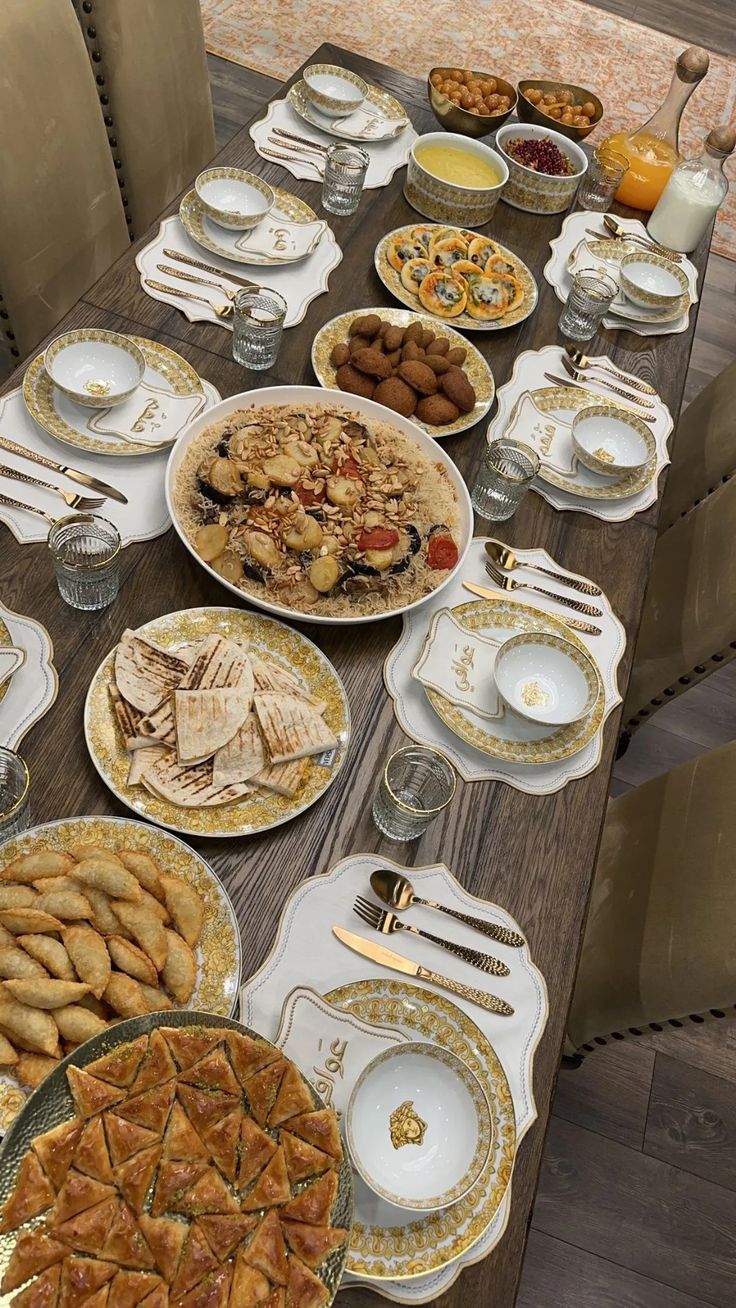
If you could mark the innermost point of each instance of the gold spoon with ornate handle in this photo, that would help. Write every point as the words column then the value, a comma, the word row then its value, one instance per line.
column 398, row 893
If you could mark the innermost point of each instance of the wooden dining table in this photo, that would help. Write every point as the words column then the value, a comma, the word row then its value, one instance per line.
column 534, row 855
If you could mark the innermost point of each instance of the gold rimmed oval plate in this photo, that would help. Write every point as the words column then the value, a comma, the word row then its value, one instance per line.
column 394, row 1245
column 508, row 737
column 464, row 321
column 52, row 1104
column 257, row 811
column 478, row 371
column 563, row 402
column 228, row 244
column 167, row 373
column 388, row 115
column 218, row 952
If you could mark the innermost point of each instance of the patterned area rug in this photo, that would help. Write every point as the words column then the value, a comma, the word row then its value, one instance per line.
column 627, row 65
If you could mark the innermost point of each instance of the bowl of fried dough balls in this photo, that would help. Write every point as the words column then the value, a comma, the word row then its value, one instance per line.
column 469, row 102
column 569, row 109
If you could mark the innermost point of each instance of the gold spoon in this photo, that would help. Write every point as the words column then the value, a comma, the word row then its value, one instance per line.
column 617, row 230
column 582, row 361
column 398, row 893
column 502, row 555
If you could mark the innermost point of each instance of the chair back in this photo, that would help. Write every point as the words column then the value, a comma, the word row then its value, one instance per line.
column 704, row 449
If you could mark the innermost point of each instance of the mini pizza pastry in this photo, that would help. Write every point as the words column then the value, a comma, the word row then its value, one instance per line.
column 492, row 297
column 441, row 234
column 449, row 251
column 413, row 273
column 403, row 248
column 423, row 235
column 480, row 250
column 443, row 295
column 499, row 263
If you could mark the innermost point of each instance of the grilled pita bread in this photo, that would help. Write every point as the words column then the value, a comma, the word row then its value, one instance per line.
column 220, row 664
column 271, row 676
column 142, row 759
column 145, row 674
column 158, row 727
column 241, row 757
column 127, row 716
column 283, row 778
column 190, row 787
column 292, row 728
column 206, row 720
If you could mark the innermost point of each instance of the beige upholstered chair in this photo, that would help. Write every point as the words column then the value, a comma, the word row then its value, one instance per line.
column 704, row 449
column 150, row 64
column 61, row 218
column 688, row 626
column 659, row 940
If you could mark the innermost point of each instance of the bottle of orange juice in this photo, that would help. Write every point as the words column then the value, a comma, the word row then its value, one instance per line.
column 652, row 149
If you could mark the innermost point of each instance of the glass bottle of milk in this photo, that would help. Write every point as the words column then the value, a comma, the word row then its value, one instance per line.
column 693, row 194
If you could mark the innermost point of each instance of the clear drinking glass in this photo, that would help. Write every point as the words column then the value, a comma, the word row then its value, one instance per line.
column 345, row 170
column 590, row 298
column 602, row 179
column 258, row 325
column 417, row 783
column 15, row 785
column 86, row 553
column 509, row 467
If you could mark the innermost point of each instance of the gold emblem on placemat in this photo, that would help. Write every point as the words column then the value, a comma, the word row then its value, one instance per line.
column 406, row 1126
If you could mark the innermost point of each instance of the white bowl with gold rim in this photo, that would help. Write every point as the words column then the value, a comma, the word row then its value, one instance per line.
column 418, row 1126
column 546, row 679
column 611, row 440
column 234, row 198
column 450, row 201
column 650, row 281
column 334, row 91
column 96, row 368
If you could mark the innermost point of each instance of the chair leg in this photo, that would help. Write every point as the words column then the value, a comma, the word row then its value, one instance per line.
column 624, row 741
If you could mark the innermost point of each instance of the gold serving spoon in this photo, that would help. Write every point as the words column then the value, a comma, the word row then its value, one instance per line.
column 398, row 893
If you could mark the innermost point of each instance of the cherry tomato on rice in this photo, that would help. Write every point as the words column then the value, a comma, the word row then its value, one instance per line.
column 347, row 468
column 377, row 538
column 310, row 498
column 442, row 553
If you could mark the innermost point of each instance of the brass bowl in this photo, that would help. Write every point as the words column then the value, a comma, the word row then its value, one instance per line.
column 529, row 113
column 454, row 119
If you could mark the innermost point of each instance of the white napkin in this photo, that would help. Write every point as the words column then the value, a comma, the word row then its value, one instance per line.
column 279, row 237
column 361, row 122
column 149, row 416
column 459, row 664
column 385, row 156
column 548, row 435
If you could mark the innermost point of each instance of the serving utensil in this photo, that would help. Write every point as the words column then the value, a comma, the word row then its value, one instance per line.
column 506, row 559
column 577, row 373
column 198, row 281
column 290, row 158
column 83, row 478
column 398, row 893
column 397, row 963
column 387, row 923
column 582, row 362
column 222, row 310
column 503, row 580
column 621, row 234
column 575, row 624
column 210, row 268
column 576, row 386
column 84, row 503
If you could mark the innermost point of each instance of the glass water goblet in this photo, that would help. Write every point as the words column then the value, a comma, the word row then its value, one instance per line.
column 508, row 470
column 344, row 177
column 416, row 785
column 86, row 552
column 258, row 325
column 602, row 179
column 591, row 296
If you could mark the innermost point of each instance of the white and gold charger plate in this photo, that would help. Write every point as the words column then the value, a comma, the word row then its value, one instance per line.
column 606, row 256
column 255, row 812
column 401, row 1258
column 478, row 371
column 528, row 374
column 420, row 720
column 171, row 395
column 218, row 953
column 231, row 244
column 574, row 230
column 386, row 155
column 299, row 283
column 30, row 681
column 463, row 321
column 381, row 117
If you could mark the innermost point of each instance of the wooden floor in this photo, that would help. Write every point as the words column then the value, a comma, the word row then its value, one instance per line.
column 637, row 1198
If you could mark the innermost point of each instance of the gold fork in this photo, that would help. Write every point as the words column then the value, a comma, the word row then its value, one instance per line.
column 578, row 374
column 577, row 386
column 387, row 923
column 222, row 310
column 505, row 558
column 227, row 291
column 506, row 582
column 85, row 503
column 582, row 362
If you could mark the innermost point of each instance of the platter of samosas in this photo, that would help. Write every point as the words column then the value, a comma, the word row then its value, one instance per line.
column 217, row 722
column 101, row 919
column 174, row 1160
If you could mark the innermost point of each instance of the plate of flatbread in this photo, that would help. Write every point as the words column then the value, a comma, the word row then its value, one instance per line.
column 176, row 1159
column 217, row 722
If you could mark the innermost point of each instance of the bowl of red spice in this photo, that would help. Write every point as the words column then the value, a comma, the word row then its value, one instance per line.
column 544, row 167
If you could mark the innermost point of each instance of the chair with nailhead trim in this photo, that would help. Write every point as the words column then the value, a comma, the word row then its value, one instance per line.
column 688, row 627
column 150, row 66
column 61, row 218
column 704, row 449
column 658, row 947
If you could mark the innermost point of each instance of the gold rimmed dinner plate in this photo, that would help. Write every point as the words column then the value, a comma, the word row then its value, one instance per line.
column 218, row 952
column 464, row 321
column 613, row 251
column 386, row 107
column 478, row 371
column 509, row 737
column 52, row 1103
column 256, row 812
column 223, row 241
column 565, row 402
column 424, row 1242
column 74, row 424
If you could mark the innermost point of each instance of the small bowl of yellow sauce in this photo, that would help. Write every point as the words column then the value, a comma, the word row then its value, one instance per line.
column 453, row 179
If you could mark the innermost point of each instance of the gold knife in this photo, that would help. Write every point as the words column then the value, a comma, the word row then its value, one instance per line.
column 586, row 627
column 209, row 268
column 397, row 963
column 83, row 478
